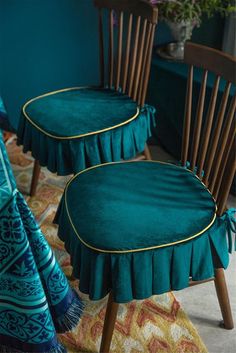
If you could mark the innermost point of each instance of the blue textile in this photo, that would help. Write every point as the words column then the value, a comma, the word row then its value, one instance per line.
column 35, row 298
column 4, row 122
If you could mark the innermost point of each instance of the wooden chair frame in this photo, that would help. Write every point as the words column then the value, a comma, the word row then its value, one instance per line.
column 129, row 53
column 211, row 150
column 128, row 58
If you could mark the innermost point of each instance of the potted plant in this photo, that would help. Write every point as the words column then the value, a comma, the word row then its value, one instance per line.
column 183, row 15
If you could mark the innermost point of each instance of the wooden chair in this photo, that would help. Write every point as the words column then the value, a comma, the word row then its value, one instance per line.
column 213, row 142
column 211, row 150
column 136, row 264
column 125, row 58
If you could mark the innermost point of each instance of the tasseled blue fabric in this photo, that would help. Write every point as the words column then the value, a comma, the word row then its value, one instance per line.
column 36, row 299
column 58, row 349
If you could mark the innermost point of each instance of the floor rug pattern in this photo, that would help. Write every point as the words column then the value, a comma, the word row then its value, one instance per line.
column 155, row 325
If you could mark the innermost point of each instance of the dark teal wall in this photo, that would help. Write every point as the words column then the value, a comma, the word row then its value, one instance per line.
column 51, row 44
column 45, row 45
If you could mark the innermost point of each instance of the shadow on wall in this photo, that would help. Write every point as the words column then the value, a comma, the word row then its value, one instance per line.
column 45, row 45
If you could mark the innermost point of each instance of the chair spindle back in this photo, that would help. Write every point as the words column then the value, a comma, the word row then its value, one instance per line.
column 209, row 135
column 127, row 55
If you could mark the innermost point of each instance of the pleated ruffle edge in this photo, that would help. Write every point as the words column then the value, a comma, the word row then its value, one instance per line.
column 73, row 155
column 139, row 275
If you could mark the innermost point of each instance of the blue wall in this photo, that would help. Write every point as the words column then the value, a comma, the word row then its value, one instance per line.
column 51, row 44
column 45, row 45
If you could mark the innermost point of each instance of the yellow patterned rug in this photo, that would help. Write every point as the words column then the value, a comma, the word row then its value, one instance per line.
column 155, row 325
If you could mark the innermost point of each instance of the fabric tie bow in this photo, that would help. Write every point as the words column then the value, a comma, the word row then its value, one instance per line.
column 229, row 218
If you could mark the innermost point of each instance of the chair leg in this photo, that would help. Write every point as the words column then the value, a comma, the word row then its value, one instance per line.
column 109, row 324
column 223, row 298
column 35, row 178
column 147, row 153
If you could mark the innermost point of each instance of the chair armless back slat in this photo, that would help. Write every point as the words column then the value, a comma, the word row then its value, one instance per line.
column 208, row 126
column 231, row 145
column 224, row 139
column 216, row 134
column 101, row 48
column 226, row 181
column 212, row 129
column 130, row 42
column 127, row 53
column 140, row 59
column 144, row 63
column 134, row 56
column 198, row 121
column 119, row 51
column 111, row 50
column 187, row 117
column 147, row 67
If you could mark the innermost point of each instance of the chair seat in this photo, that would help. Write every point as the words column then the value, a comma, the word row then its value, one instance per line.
column 75, row 112
column 140, row 228
column 73, row 129
column 135, row 206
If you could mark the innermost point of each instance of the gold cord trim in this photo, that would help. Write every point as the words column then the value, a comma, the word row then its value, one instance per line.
column 133, row 250
column 75, row 136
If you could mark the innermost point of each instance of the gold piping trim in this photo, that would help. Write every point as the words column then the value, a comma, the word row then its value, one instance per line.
column 75, row 136
column 203, row 185
column 133, row 250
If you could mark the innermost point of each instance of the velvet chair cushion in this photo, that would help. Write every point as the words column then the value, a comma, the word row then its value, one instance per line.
column 136, row 206
column 141, row 228
column 73, row 129
column 79, row 111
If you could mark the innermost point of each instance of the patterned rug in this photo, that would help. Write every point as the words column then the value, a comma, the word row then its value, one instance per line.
column 155, row 325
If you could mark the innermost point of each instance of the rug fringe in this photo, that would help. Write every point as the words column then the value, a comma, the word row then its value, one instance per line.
column 58, row 349
column 70, row 319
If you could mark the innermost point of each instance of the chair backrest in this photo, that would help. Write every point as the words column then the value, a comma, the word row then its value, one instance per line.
column 127, row 55
column 212, row 130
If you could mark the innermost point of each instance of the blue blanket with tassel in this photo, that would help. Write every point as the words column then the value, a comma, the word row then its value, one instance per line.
column 36, row 301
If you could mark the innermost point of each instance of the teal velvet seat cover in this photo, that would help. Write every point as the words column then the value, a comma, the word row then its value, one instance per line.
column 72, row 129
column 140, row 228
